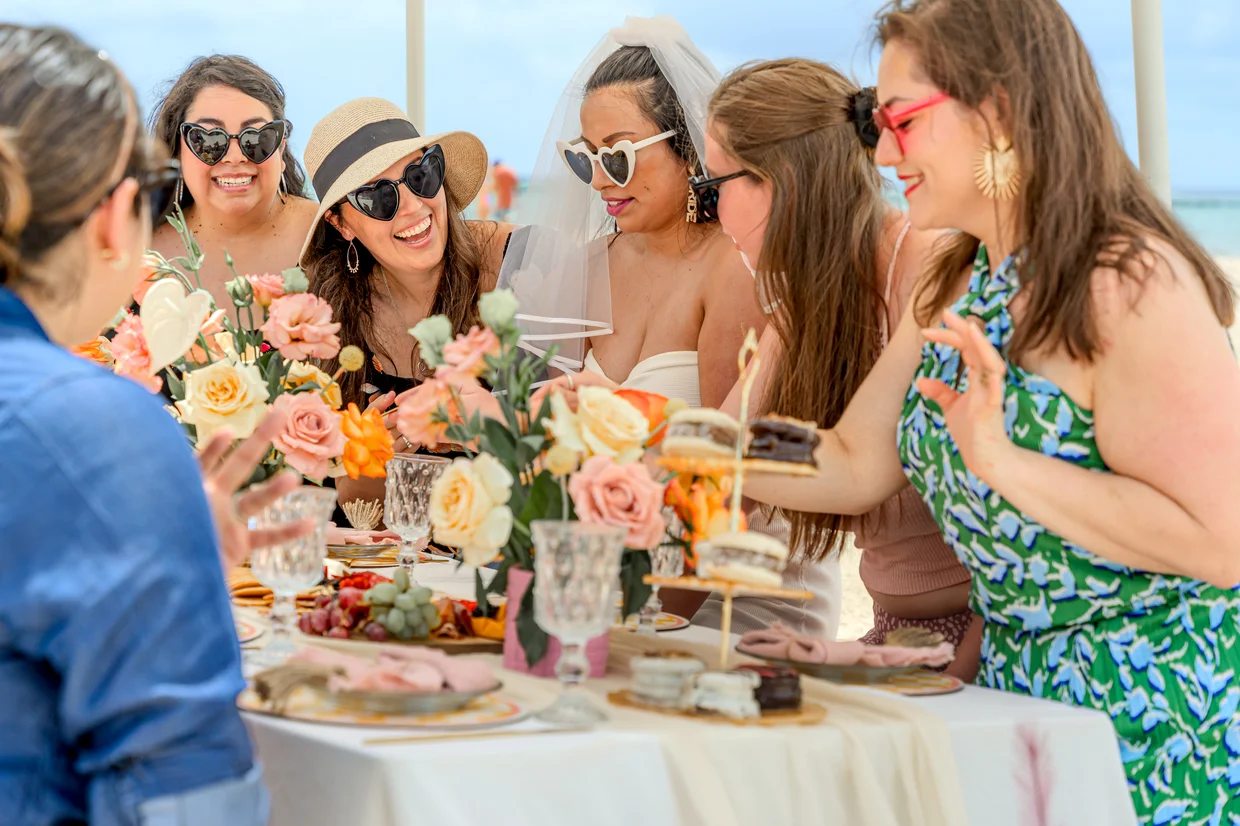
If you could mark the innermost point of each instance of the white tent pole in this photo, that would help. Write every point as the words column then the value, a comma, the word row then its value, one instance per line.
column 1151, row 77
column 415, row 62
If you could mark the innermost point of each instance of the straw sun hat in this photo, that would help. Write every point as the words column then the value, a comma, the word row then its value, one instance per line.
column 360, row 139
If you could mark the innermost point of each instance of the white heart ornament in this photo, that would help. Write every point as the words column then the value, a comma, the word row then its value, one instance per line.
column 171, row 320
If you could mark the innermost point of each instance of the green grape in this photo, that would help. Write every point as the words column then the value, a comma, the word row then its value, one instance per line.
column 405, row 633
column 421, row 595
column 405, row 601
column 382, row 594
column 378, row 615
column 401, row 579
column 394, row 621
column 431, row 615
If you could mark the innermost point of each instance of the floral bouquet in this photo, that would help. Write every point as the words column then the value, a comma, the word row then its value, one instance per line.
column 530, row 457
column 222, row 372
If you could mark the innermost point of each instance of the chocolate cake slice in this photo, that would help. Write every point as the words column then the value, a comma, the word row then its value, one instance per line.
column 780, row 689
column 781, row 439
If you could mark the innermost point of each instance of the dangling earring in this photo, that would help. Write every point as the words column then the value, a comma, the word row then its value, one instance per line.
column 351, row 259
column 180, row 189
column 691, row 210
column 282, row 190
column 997, row 170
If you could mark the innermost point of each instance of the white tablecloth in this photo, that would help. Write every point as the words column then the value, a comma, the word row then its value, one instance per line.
column 1014, row 755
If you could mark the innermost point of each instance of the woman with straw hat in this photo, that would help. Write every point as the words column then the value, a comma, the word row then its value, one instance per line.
column 388, row 246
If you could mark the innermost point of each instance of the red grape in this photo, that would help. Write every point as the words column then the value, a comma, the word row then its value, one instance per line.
column 376, row 632
column 318, row 620
column 338, row 633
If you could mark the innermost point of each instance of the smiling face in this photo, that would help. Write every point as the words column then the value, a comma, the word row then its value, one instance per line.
column 936, row 151
column 658, row 188
column 744, row 202
column 413, row 241
column 235, row 185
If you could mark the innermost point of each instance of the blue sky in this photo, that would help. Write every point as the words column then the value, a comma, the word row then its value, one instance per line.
column 497, row 67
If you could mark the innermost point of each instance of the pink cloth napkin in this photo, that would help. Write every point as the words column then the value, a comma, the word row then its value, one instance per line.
column 400, row 669
column 349, row 536
column 780, row 643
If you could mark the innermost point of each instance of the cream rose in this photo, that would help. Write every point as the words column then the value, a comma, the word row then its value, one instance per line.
column 224, row 394
column 469, row 508
column 609, row 425
column 300, row 373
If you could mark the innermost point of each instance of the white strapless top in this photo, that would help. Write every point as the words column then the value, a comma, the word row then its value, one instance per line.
column 673, row 374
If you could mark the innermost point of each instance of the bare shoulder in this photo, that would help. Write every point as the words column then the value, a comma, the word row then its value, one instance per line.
column 726, row 270
column 302, row 212
column 492, row 238
column 166, row 242
column 913, row 262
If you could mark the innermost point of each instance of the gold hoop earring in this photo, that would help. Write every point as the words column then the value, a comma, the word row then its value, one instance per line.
column 691, row 207
column 997, row 170
column 352, row 259
column 116, row 262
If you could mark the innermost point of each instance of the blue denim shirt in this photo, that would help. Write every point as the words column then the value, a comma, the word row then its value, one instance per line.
column 119, row 663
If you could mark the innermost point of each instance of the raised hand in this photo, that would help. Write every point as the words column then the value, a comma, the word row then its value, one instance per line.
column 974, row 417
column 225, row 471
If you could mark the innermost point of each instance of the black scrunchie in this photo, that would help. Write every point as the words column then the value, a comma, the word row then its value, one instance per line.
column 864, row 102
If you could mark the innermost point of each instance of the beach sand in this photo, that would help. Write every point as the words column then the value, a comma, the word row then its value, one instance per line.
column 856, row 615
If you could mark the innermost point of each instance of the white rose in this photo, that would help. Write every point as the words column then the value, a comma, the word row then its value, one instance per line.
column 300, row 373
column 498, row 308
column 563, row 425
column 432, row 334
column 468, row 508
column 609, row 425
column 224, row 394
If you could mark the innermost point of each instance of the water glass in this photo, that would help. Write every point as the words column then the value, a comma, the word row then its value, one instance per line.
column 575, row 570
column 406, row 507
column 292, row 566
column 666, row 561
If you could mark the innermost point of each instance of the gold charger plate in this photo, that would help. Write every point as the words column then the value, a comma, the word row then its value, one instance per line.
column 809, row 714
column 465, row 645
column 309, row 706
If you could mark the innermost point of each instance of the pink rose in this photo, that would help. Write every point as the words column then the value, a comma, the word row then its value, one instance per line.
column 311, row 435
column 267, row 287
column 467, row 353
column 133, row 360
column 622, row 496
column 210, row 328
column 300, row 326
column 416, row 408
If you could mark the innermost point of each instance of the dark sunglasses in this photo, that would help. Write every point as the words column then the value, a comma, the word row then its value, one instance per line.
column 257, row 144
column 707, row 192
column 381, row 200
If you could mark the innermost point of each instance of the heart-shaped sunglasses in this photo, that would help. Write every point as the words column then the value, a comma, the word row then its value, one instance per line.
column 617, row 162
column 424, row 178
column 257, row 144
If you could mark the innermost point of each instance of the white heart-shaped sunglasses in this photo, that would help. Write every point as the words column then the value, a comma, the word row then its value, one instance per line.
column 616, row 161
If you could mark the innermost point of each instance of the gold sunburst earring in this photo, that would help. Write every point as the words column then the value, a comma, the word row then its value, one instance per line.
column 997, row 170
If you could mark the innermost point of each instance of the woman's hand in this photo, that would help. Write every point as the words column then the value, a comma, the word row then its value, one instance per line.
column 567, row 385
column 975, row 417
column 382, row 402
column 224, row 472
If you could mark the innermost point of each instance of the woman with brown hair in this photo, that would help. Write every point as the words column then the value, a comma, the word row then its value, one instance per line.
column 1075, row 438
column 835, row 265
column 388, row 246
column 242, row 190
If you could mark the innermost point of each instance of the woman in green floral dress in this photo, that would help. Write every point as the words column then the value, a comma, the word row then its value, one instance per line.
column 1072, row 420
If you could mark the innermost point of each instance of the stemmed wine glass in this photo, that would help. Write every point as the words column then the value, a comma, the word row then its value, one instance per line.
column 666, row 561
column 575, row 569
column 292, row 566
column 406, row 507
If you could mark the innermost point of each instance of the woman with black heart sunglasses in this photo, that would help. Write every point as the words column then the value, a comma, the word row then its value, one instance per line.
column 242, row 190
column 388, row 246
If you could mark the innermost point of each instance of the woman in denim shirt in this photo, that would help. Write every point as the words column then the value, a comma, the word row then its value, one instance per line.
column 119, row 665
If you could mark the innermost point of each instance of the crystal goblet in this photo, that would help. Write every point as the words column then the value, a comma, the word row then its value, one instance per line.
column 406, row 506
column 575, row 570
column 289, row 567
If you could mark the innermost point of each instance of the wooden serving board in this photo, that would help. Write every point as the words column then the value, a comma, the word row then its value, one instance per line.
column 809, row 714
column 466, row 645
column 735, row 589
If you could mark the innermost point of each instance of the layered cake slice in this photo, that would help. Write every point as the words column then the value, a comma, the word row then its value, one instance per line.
column 701, row 433
column 746, row 558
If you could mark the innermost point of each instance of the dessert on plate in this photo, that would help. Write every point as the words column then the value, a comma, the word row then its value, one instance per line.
column 780, row 443
column 745, row 558
column 701, row 433
column 665, row 678
column 779, row 689
column 730, row 693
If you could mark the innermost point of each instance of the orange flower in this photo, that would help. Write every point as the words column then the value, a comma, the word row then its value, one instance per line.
column 369, row 445
column 702, row 505
column 650, row 405
column 99, row 351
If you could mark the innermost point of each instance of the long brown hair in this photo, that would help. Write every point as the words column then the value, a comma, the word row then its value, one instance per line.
column 351, row 295
column 1082, row 203
column 235, row 72
column 789, row 122
column 66, row 114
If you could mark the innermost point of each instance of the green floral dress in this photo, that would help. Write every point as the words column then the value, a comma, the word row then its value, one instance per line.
column 1157, row 653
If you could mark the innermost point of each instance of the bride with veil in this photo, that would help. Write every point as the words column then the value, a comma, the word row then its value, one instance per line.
column 621, row 272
